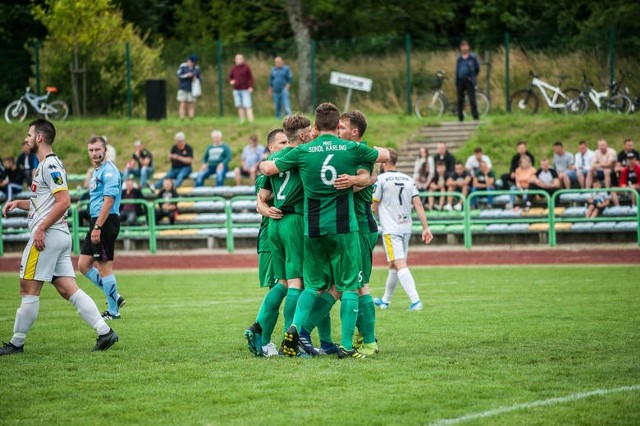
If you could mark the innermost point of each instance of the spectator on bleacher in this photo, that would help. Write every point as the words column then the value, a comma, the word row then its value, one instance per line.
column 251, row 157
column 459, row 181
column 563, row 163
column 523, row 175
column 630, row 174
column 473, row 162
column 27, row 163
column 167, row 208
column 181, row 157
column 598, row 201
column 140, row 165
column 546, row 178
column 484, row 180
column 129, row 212
column 509, row 179
column 623, row 155
column 439, row 184
column 10, row 178
column 215, row 160
column 423, row 170
column 603, row 165
column 583, row 162
column 446, row 157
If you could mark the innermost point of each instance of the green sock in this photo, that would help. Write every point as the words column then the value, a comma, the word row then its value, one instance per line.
column 348, row 317
column 306, row 302
column 290, row 304
column 367, row 318
column 324, row 329
column 322, row 308
column 268, row 314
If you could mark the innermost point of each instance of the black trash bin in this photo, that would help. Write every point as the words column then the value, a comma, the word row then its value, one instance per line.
column 156, row 99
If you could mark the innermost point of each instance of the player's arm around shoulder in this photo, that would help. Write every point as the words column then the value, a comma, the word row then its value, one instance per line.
column 427, row 236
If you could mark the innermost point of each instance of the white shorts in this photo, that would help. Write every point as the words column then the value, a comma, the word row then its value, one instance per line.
column 242, row 98
column 53, row 261
column 185, row 96
column 396, row 246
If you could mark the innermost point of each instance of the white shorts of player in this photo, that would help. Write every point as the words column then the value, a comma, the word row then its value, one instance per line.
column 54, row 260
column 396, row 246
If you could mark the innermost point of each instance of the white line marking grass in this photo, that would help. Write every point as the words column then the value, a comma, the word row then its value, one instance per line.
column 534, row 404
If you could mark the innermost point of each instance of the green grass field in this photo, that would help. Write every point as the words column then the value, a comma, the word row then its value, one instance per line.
column 508, row 339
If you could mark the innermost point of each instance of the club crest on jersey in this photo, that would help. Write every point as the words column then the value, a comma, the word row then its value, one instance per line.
column 53, row 167
column 57, row 178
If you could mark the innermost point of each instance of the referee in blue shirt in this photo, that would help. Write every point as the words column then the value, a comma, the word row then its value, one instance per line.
column 467, row 69
column 98, row 248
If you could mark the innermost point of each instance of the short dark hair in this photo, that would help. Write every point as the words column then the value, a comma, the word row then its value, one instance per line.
column 582, row 142
column 558, row 143
column 272, row 135
column 441, row 163
column 464, row 43
column 97, row 139
column 45, row 128
column 520, row 143
column 393, row 156
column 292, row 125
column 459, row 163
column 327, row 117
column 478, row 149
column 357, row 119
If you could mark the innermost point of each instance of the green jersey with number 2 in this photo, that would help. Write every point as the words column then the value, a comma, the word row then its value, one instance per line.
column 288, row 194
column 327, row 210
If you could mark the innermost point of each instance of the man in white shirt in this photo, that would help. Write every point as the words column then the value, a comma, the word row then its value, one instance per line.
column 604, row 163
column 583, row 162
column 393, row 198
column 473, row 162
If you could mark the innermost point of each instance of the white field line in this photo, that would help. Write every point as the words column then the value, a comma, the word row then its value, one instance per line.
column 534, row 404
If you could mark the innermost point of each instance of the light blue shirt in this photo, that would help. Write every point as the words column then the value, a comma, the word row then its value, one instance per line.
column 105, row 182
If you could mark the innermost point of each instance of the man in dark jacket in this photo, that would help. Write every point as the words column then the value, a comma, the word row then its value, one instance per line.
column 467, row 69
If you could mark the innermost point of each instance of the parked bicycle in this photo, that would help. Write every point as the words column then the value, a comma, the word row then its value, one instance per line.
column 624, row 89
column 17, row 110
column 526, row 100
column 435, row 103
column 607, row 100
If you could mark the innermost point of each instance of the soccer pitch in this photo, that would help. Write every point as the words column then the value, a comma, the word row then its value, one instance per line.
column 508, row 345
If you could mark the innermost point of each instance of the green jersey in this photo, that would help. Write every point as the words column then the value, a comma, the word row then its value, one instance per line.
column 327, row 210
column 362, row 204
column 263, row 233
column 288, row 194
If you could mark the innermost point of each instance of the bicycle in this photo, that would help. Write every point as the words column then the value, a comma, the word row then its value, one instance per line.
column 607, row 100
column 435, row 103
column 17, row 110
column 635, row 100
column 526, row 100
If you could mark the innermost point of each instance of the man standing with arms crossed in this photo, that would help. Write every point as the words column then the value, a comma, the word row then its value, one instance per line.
column 47, row 256
column 331, row 241
column 393, row 198
column 99, row 244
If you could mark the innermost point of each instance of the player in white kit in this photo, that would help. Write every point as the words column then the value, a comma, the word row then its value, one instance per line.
column 394, row 196
column 47, row 256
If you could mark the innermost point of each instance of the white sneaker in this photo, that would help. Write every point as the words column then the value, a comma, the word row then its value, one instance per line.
column 458, row 207
column 270, row 349
column 418, row 306
column 380, row 303
column 447, row 207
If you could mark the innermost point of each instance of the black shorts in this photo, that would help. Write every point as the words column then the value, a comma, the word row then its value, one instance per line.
column 105, row 250
column 244, row 172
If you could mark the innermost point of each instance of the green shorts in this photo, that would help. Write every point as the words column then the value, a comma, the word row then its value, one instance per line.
column 265, row 271
column 287, row 246
column 368, row 241
column 333, row 259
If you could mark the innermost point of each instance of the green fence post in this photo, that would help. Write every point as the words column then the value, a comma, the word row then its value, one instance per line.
column 507, row 95
column 151, row 223
column 36, row 57
column 1, row 239
column 220, row 85
column 552, row 219
column 612, row 50
column 407, row 46
column 75, row 232
column 467, row 220
column 314, row 83
column 229, row 211
column 129, row 95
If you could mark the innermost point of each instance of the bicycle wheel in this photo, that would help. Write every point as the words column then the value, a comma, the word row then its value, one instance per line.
column 483, row 104
column 620, row 104
column 524, row 101
column 16, row 110
column 576, row 105
column 57, row 110
column 429, row 105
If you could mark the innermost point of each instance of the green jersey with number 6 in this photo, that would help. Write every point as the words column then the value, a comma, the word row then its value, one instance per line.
column 288, row 194
column 327, row 210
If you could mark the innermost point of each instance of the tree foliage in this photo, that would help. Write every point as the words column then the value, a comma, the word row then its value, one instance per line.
column 95, row 28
